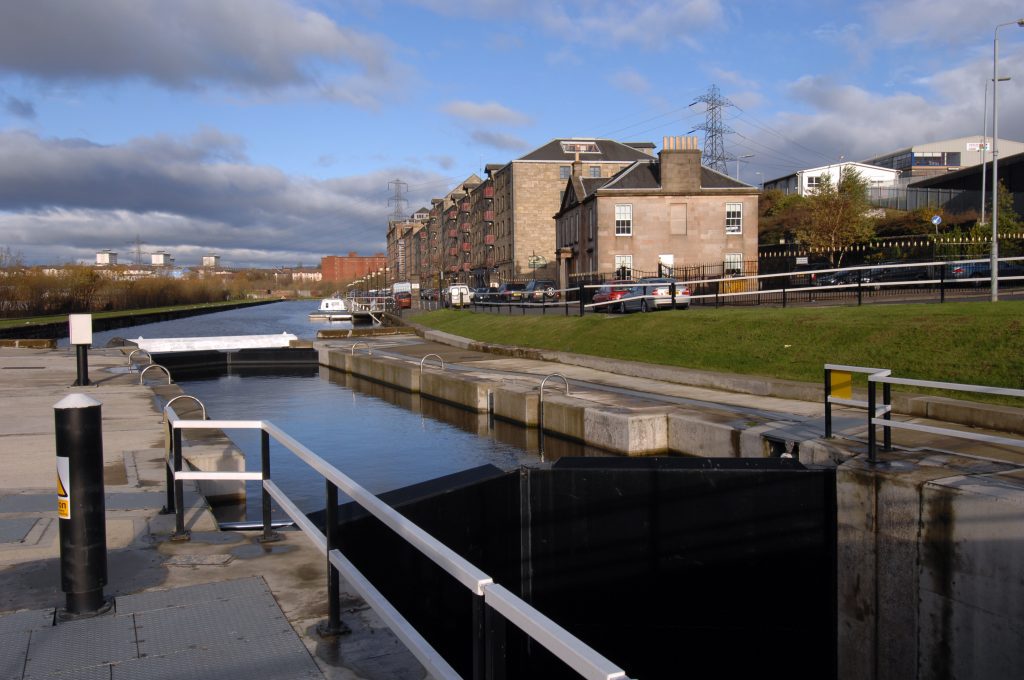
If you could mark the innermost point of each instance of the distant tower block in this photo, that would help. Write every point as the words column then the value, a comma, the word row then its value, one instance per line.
column 161, row 259
column 211, row 260
column 106, row 258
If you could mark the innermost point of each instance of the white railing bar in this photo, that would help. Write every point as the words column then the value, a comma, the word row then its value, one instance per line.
column 987, row 438
column 882, row 410
column 858, row 369
column 433, row 662
column 196, row 474
column 180, row 424
column 563, row 644
column 457, row 566
column 297, row 516
column 1004, row 391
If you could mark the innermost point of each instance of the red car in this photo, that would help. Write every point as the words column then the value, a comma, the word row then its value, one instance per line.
column 609, row 292
column 403, row 300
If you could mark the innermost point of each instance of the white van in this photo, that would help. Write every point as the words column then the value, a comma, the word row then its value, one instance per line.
column 458, row 295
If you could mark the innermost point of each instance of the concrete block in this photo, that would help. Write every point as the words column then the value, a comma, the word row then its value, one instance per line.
column 633, row 432
column 517, row 403
column 972, row 592
column 460, row 390
column 217, row 458
column 564, row 416
column 400, row 374
column 986, row 416
column 690, row 433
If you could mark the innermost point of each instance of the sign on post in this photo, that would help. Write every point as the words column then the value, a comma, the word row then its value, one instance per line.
column 841, row 384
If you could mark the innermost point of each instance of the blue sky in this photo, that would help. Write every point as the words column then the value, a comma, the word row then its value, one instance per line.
column 266, row 131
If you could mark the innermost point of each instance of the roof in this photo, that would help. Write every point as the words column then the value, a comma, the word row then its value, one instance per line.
column 608, row 150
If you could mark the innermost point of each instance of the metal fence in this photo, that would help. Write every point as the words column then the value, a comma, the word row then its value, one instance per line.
column 489, row 598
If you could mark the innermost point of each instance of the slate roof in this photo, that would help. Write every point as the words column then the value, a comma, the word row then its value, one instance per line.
column 609, row 150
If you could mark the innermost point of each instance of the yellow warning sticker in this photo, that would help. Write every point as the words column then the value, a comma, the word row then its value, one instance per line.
column 63, row 488
column 841, row 384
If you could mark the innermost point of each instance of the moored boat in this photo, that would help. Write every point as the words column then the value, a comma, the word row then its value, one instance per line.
column 333, row 308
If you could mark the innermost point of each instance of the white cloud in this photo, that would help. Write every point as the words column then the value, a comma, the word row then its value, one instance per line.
column 257, row 45
column 488, row 112
column 183, row 195
column 944, row 21
column 499, row 140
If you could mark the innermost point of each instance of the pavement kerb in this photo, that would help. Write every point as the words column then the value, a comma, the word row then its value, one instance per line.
column 969, row 413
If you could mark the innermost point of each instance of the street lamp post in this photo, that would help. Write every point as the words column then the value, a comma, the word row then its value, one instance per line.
column 995, row 157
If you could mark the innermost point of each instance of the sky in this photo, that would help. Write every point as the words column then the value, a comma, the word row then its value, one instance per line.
column 271, row 132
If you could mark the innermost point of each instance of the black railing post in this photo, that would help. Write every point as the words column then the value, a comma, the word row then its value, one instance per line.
column 887, row 403
column 332, row 626
column 671, row 291
column 582, row 300
column 828, row 403
column 180, row 532
column 859, row 289
column 81, row 507
column 269, row 535
column 871, row 421
column 168, row 475
column 942, row 283
column 479, row 638
column 496, row 643
column 783, row 297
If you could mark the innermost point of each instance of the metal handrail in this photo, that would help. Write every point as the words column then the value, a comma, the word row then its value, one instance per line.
column 427, row 357
column 142, row 373
column 553, row 375
column 572, row 651
column 136, row 351
column 188, row 396
column 353, row 346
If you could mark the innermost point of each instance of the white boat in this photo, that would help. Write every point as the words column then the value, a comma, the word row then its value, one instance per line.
column 334, row 308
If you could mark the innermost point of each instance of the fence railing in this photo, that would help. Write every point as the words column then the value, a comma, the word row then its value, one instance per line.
column 838, row 390
column 488, row 596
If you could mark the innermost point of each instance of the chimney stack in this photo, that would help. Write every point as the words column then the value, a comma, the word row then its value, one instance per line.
column 577, row 166
column 680, row 164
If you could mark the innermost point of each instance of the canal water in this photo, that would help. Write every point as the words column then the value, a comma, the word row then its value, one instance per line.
column 382, row 438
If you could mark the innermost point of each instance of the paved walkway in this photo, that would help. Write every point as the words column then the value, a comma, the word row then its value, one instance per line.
column 220, row 605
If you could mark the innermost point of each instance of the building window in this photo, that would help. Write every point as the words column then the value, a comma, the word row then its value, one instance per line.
column 814, row 182
column 575, row 146
column 595, row 170
column 624, row 266
column 623, row 219
column 733, row 218
column 734, row 264
column 564, row 171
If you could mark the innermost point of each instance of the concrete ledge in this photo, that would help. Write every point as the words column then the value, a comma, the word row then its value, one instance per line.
column 393, row 372
column 694, row 434
column 633, row 432
column 564, row 416
column 517, row 404
column 460, row 390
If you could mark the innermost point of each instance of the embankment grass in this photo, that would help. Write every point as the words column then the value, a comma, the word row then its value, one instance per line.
column 62, row 318
column 974, row 343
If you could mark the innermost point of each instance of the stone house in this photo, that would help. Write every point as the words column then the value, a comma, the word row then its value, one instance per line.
column 662, row 214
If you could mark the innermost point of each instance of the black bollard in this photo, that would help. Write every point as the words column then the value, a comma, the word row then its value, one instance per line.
column 80, row 503
column 80, row 334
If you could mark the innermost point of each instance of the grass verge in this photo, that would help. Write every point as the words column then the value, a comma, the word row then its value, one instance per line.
column 973, row 343
column 62, row 318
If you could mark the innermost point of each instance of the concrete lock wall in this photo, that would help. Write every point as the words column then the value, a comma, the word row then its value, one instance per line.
column 392, row 372
column 517, row 403
column 564, row 416
column 929, row 569
column 465, row 391
column 633, row 432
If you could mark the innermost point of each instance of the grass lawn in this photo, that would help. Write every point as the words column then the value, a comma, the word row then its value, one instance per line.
column 62, row 318
column 971, row 342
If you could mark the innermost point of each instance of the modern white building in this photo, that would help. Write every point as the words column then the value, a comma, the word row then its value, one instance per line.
column 106, row 258
column 161, row 259
column 937, row 158
column 804, row 182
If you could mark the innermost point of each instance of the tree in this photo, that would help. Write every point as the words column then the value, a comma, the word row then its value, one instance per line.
column 837, row 215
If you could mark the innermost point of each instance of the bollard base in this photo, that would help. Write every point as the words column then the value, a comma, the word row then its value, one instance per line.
column 75, row 611
column 272, row 537
column 326, row 631
column 181, row 536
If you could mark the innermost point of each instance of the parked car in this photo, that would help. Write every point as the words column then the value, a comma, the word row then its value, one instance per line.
column 650, row 294
column 510, row 292
column 403, row 300
column 983, row 270
column 610, row 292
column 541, row 290
column 841, row 277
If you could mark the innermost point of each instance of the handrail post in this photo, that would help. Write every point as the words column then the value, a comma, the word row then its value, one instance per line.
column 871, row 420
column 168, row 473
column 269, row 535
column 859, row 289
column 333, row 626
column 828, row 403
column 887, row 403
column 180, row 532
column 480, row 648
column 942, row 282
column 783, row 297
